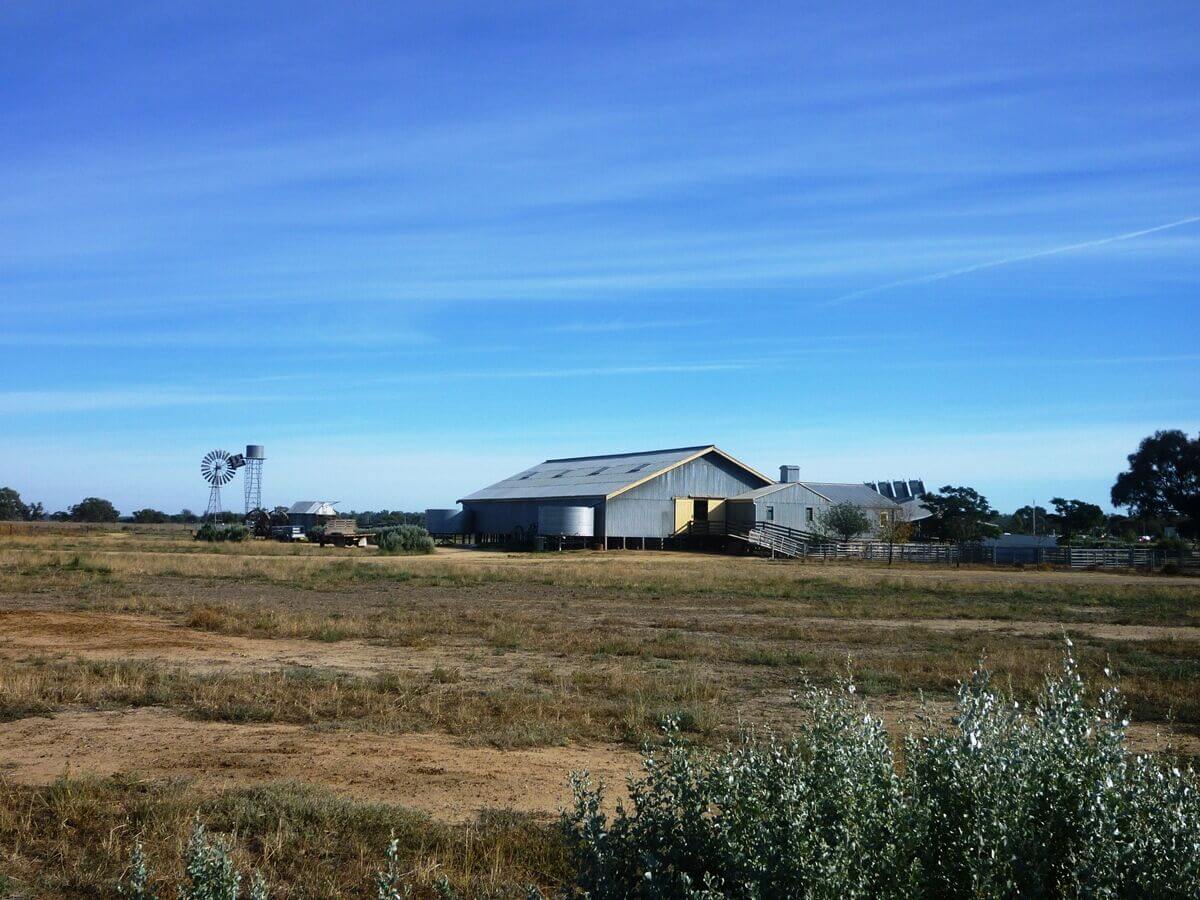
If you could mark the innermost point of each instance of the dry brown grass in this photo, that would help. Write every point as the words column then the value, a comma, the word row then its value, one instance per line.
column 607, row 704
column 511, row 650
column 73, row 839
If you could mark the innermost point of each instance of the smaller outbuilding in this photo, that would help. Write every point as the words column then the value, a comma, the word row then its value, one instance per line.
column 307, row 513
column 800, row 504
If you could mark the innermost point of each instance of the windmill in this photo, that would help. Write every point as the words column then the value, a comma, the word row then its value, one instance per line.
column 218, row 468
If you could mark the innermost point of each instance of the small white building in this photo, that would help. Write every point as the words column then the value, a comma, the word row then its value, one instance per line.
column 307, row 513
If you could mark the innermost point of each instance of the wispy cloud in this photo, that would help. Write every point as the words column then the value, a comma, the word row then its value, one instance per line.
column 588, row 372
column 622, row 325
column 1008, row 260
column 50, row 402
column 246, row 337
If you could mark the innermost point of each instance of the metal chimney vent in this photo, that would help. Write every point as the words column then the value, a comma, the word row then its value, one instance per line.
column 789, row 474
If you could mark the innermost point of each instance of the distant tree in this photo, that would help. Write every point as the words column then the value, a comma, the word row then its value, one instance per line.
column 11, row 506
column 899, row 528
column 1077, row 517
column 93, row 509
column 959, row 513
column 36, row 512
column 1163, row 479
column 186, row 516
column 387, row 517
column 1028, row 519
column 60, row 516
column 149, row 516
column 845, row 520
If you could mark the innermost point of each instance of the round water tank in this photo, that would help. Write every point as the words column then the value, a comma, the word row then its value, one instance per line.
column 255, row 451
column 567, row 521
column 448, row 521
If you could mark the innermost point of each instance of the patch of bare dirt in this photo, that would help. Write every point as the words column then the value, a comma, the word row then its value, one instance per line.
column 122, row 636
column 428, row 772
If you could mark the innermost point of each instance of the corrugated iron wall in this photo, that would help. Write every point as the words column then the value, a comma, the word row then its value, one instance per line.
column 648, row 510
column 506, row 516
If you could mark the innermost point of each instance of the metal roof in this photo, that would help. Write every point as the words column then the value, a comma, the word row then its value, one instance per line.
column 595, row 476
column 312, row 508
column 858, row 494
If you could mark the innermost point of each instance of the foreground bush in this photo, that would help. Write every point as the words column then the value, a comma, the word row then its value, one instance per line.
column 1009, row 802
column 404, row 539
column 208, row 871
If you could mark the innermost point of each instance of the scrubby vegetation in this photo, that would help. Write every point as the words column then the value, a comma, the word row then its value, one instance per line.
column 409, row 539
column 215, row 533
column 1008, row 802
column 1044, row 802
column 321, row 654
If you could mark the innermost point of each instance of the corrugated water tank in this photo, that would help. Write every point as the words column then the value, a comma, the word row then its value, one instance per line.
column 567, row 521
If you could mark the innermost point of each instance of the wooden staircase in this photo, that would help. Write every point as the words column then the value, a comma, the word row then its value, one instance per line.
column 778, row 540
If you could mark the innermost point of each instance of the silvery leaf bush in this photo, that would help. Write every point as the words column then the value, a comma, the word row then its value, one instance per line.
column 208, row 869
column 816, row 816
column 1048, row 802
column 1005, row 802
column 136, row 884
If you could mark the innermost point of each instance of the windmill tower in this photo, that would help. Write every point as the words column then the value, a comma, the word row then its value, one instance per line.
column 218, row 468
column 252, row 477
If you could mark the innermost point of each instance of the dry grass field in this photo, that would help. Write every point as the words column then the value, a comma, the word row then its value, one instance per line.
column 308, row 702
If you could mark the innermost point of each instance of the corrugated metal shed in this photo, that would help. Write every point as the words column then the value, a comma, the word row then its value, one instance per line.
column 312, row 508
column 592, row 476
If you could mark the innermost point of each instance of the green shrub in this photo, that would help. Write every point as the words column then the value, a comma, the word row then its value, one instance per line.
column 212, row 532
column 404, row 539
column 1006, row 803
column 208, row 869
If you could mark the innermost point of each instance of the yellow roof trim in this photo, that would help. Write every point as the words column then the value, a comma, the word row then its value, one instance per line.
column 675, row 465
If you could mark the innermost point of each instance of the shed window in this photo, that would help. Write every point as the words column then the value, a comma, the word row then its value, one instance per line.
column 808, row 514
column 883, row 518
column 639, row 467
column 770, row 514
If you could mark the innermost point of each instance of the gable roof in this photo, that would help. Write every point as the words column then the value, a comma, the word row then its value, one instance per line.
column 597, row 476
column 858, row 494
column 313, row 508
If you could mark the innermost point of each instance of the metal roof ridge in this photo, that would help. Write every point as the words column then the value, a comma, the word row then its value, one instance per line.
column 630, row 453
column 809, row 485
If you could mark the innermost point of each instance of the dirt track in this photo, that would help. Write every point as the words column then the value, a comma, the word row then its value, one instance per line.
column 113, row 636
column 108, row 636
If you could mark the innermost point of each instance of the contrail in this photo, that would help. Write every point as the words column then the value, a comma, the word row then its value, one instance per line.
column 952, row 273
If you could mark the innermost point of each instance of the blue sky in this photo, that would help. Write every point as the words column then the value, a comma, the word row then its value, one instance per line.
column 412, row 250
